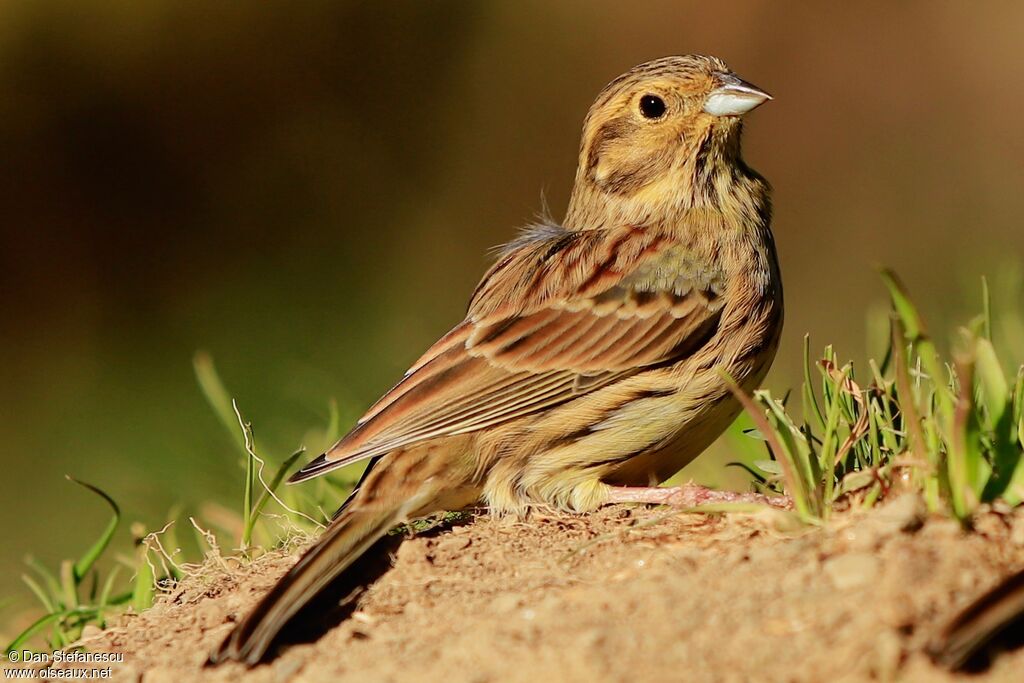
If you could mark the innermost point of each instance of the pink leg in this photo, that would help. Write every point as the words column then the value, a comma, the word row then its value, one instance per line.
column 690, row 495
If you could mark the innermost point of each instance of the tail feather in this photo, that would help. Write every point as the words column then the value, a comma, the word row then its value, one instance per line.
column 403, row 485
column 348, row 537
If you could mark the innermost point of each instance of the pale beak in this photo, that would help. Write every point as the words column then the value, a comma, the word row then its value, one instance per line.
column 734, row 97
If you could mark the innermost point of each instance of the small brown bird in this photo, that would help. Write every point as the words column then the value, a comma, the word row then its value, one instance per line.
column 589, row 366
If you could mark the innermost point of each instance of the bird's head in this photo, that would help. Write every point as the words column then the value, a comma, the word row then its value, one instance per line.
column 662, row 131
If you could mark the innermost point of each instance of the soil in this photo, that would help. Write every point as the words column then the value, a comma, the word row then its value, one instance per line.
column 620, row 595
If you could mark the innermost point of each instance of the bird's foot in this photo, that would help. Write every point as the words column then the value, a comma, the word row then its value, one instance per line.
column 691, row 495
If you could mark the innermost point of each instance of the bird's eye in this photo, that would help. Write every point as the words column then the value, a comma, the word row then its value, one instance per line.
column 652, row 107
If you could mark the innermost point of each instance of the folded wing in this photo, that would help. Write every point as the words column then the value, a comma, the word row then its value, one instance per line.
column 561, row 314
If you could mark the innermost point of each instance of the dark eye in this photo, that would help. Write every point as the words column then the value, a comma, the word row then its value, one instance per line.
column 652, row 107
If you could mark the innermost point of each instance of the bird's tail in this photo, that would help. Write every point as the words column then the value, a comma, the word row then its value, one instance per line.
column 402, row 485
column 348, row 537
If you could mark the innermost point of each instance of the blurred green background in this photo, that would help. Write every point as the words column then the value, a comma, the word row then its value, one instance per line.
column 308, row 192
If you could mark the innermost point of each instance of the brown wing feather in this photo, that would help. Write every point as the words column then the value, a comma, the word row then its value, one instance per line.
column 553, row 319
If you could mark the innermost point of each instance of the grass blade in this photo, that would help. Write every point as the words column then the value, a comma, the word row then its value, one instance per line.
column 810, row 400
column 962, row 458
column 37, row 590
column 272, row 486
column 216, row 394
column 914, row 330
column 248, row 445
column 995, row 390
column 143, row 586
column 36, row 626
column 796, row 487
column 986, row 310
column 88, row 559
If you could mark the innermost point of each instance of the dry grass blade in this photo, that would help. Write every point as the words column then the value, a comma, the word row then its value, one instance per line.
column 852, row 389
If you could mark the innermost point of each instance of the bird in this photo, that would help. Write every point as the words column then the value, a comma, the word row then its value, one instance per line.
column 598, row 354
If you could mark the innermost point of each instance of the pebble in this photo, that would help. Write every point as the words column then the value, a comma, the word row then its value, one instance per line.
column 411, row 552
column 162, row 674
column 210, row 612
column 888, row 655
column 285, row 668
column 1017, row 535
column 506, row 603
column 452, row 544
column 906, row 513
column 90, row 631
column 591, row 639
column 851, row 571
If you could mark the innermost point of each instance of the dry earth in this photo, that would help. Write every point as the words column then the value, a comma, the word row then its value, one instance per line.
column 622, row 595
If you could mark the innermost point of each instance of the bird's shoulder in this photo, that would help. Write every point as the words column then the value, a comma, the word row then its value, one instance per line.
column 551, row 266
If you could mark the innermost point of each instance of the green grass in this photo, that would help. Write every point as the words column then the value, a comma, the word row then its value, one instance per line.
column 950, row 428
column 75, row 596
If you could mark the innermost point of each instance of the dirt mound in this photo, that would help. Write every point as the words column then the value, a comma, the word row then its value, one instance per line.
column 619, row 595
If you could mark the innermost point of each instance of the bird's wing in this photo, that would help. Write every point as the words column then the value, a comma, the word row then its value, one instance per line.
column 560, row 315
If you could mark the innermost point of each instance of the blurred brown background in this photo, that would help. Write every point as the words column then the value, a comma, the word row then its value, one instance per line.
column 308, row 190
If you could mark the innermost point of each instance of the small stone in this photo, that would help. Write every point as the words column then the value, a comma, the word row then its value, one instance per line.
column 968, row 581
column 906, row 513
column 939, row 528
column 506, row 603
column 888, row 655
column 162, row 674
column 285, row 669
column 590, row 639
column 797, row 579
column 551, row 605
column 1001, row 507
column 452, row 544
column 851, row 571
column 364, row 618
column 1017, row 534
column 210, row 613
column 90, row 631
column 411, row 552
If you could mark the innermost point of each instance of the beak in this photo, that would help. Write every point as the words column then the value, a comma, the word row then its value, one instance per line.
column 734, row 97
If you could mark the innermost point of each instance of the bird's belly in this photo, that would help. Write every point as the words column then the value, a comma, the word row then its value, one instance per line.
column 693, row 435
column 692, row 421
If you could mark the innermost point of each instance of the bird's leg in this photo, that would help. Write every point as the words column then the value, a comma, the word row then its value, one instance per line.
column 689, row 495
